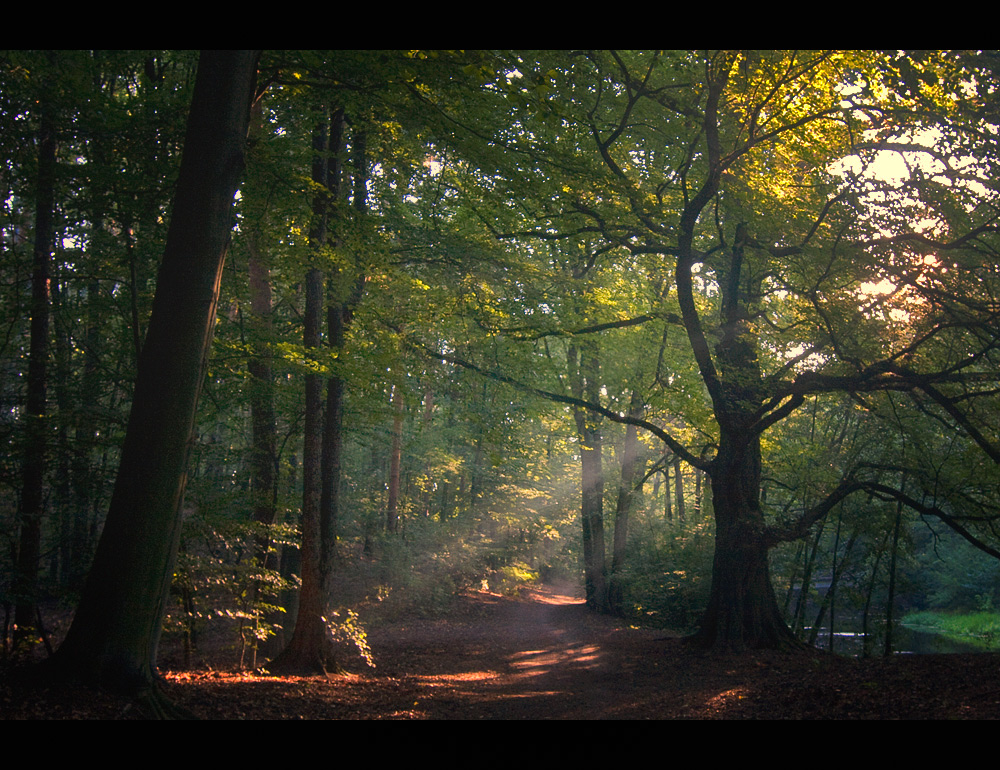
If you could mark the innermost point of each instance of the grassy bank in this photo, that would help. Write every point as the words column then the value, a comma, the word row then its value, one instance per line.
column 979, row 628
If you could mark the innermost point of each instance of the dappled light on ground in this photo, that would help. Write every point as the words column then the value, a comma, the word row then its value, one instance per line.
column 536, row 662
column 498, row 657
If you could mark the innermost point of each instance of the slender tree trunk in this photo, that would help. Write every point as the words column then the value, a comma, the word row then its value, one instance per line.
column 337, row 320
column 85, row 484
column 264, row 432
column 345, row 292
column 829, row 600
column 869, row 594
column 585, row 371
column 264, row 458
column 33, row 464
column 890, row 600
column 698, row 478
column 632, row 462
column 395, row 459
column 679, row 488
column 263, row 420
column 668, row 505
column 307, row 650
column 113, row 639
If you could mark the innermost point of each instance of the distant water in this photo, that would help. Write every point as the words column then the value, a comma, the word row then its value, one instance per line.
column 906, row 640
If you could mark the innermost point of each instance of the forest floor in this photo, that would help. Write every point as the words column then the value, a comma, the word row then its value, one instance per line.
column 542, row 655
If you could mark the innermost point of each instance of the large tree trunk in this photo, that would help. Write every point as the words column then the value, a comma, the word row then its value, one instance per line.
column 743, row 611
column 113, row 639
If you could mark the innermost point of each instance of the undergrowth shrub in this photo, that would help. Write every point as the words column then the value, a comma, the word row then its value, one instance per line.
column 668, row 573
column 221, row 587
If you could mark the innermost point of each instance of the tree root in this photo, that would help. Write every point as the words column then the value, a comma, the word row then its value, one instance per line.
column 152, row 703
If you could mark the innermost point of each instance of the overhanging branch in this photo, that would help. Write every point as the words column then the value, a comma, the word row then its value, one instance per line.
column 675, row 446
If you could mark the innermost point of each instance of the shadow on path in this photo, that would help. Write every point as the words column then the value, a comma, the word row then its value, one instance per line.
column 542, row 655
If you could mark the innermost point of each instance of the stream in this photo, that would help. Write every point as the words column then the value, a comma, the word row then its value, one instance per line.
column 907, row 640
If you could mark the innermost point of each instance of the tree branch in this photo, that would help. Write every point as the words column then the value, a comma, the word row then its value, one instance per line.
column 675, row 446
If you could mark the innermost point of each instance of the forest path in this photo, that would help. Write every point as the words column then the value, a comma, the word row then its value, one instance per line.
column 544, row 656
column 541, row 655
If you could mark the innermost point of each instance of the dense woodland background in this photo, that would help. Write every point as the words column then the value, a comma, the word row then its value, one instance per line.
column 712, row 335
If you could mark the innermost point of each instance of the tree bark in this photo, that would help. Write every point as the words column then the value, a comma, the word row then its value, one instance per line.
column 890, row 601
column 679, row 488
column 584, row 370
column 742, row 612
column 395, row 458
column 264, row 451
column 33, row 466
column 632, row 462
column 113, row 640
column 307, row 650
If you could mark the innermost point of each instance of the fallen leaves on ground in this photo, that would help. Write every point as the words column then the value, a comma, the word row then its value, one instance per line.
column 543, row 656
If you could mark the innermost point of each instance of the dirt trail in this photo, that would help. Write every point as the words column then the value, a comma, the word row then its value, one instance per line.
column 543, row 656
column 540, row 656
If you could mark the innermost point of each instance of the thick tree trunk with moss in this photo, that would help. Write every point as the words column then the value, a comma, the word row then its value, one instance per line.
column 113, row 639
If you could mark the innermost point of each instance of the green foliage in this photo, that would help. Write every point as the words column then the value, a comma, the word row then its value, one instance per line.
column 220, row 582
column 668, row 571
column 951, row 574
column 347, row 632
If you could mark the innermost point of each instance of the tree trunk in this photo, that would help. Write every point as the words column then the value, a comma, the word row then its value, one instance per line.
column 890, row 600
column 632, row 462
column 798, row 618
column 264, row 451
column 668, row 506
column 679, row 488
column 306, row 648
column 337, row 320
column 585, row 369
column 309, row 649
column 33, row 466
column 395, row 458
column 113, row 639
column 306, row 651
column 743, row 612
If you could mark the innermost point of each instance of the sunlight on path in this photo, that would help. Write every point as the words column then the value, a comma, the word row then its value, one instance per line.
column 561, row 595
column 535, row 662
